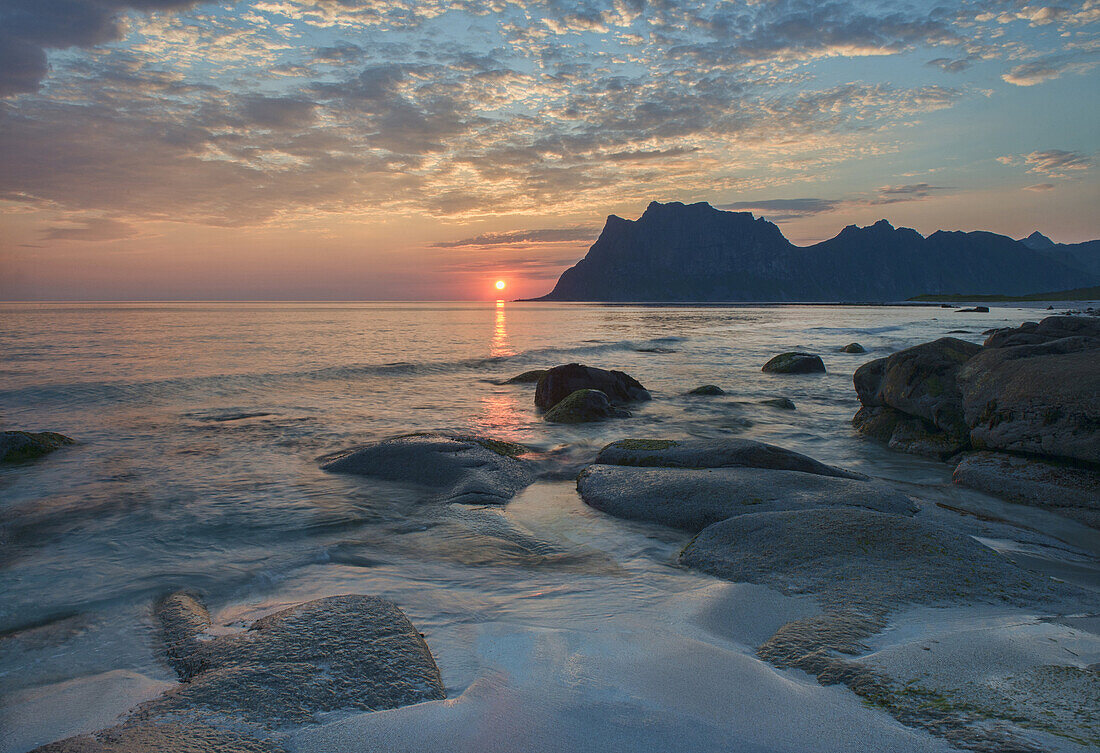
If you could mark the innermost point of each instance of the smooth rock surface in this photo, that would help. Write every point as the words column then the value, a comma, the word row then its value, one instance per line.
column 559, row 382
column 583, row 406
column 714, row 453
column 707, row 389
column 471, row 470
column 161, row 737
column 1068, row 491
column 906, row 433
column 851, row 558
column 1050, row 328
column 784, row 403
column 340, row 652
column 853, row 348
column 527, row 377
column 19, row 446
column 795, row 363
column 692, row 499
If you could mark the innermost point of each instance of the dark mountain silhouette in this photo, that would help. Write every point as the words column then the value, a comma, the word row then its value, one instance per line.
column 694, row 252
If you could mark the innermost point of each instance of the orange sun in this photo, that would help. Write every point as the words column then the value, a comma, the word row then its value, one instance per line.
column 500, row 284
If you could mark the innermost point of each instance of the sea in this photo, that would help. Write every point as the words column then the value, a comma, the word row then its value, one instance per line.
column 199, row 427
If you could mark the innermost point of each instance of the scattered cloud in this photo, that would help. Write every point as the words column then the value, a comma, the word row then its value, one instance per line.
column 94, row 229
column 525, row 237
column 1040, row 187
column 1055, row 162
column 781, row 210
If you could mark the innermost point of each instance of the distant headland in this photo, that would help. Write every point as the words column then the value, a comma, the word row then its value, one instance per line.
column 680, row 252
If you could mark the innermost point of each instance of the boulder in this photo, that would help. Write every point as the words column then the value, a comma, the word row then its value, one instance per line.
column 340, row 652
column 920, row 381
column 20, row 446
column 561, row 381
column 583, row 406
column 1063, row 489
column 1051, row 328
column 714, row 453
column 1041, row 399
column 853, row 348
column 858, row 559
column 795, row 363
column 692, row 499
column 906, row 433
column 471, row 470
column 975, row 310
column 527, row 377
column 707, row 389
column 779, row 402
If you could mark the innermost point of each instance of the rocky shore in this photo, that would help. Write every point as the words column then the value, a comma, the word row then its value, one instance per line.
column 1019, row 417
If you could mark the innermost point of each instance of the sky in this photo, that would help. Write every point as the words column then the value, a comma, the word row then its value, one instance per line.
column 423, row 150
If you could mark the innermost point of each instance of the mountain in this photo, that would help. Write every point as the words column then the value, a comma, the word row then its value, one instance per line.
column 694, row 252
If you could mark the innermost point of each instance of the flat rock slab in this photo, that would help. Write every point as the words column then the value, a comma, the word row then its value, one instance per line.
column 860, row 559
column 693, row 499
column 470, row 470
column 714, row 453
column 1068, row 491
column 341, row 652
column 169, row 737
column 559, row 382
column 20, row 446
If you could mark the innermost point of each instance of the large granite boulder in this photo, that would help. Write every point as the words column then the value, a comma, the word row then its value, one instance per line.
column 527, row 377
column 561, row 381
column 1071, row 492
column 906, row 433
column 1051, row 328
column 341, row 652
column 692, row 499
column 920, row 381
column 583, row 406
column 20, row 446
column 853, row 348
column 794, row 363
column 851, row 558
column 471, row 470
column 714, row 453
column 1041, row 398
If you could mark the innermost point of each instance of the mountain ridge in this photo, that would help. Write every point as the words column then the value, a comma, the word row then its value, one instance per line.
column 677, row 252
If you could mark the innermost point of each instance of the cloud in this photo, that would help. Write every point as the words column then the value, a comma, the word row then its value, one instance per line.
column 30, row 27
column 525, row 237
column 1040, row 187
column 1035, row 72
column 781, row 210
column 94, row 229
column 1055, row 162
column 279, row 112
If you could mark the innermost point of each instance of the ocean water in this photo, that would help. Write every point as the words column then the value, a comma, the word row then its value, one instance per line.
column 199, row 429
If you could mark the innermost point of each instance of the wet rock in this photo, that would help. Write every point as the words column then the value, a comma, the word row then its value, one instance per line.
column 906, row 433
column 341, row 652
column 694, row 498
column 168, row 736
column 471, row 470
column 561, row 381
column 920, row 381
column 853, row 348
column 527, row 377
column 583, row 406
column 1063, row 489
column 859, row 560
column 1041, row 399
column 714, row 453
column 183, row 619
column 1049, row 329
column 20, row 446
column 795, row 363
column 975, row 310
column 779, row 402
column 707, row 389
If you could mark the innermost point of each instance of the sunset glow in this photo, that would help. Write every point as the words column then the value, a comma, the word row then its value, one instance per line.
column 500, row 285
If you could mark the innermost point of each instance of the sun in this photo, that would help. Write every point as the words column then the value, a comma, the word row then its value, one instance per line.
column 500, row 284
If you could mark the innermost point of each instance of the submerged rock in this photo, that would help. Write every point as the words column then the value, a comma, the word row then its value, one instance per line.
column 20, row 446
column 779, row 402
column 341, row 652
column 471, row 470
column 795, row 363
column 527, row 377
column 695, row 498
column 707, row 389
column 853, row 348
column 561, row 381
column 714, row 453
column 1068, row 491
column 583, row 406
column 1041, row 398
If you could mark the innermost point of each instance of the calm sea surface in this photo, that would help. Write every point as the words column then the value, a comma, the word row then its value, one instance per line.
column 200, row 426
